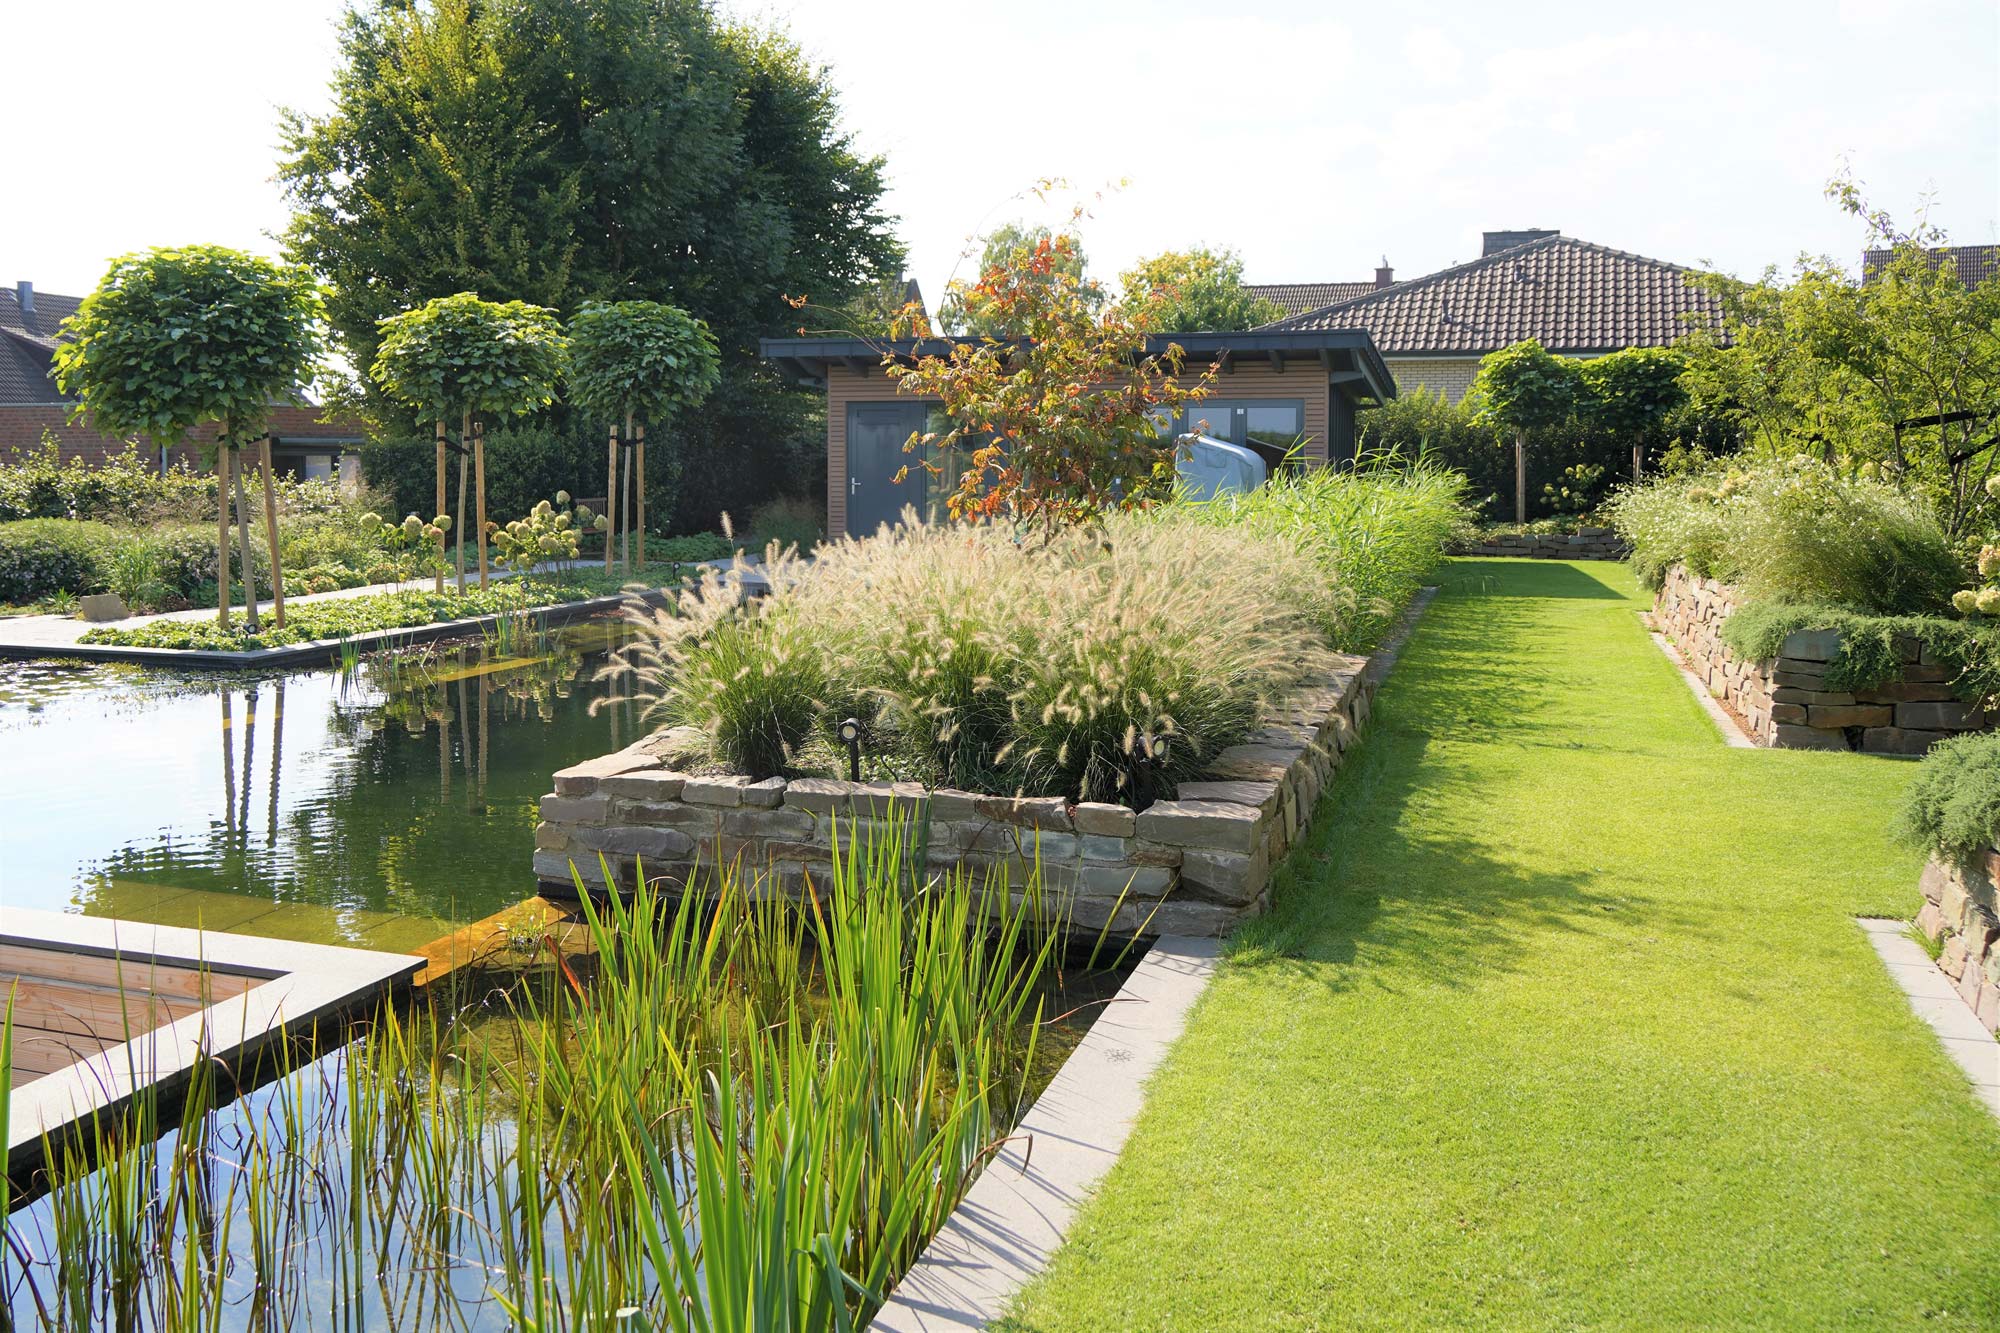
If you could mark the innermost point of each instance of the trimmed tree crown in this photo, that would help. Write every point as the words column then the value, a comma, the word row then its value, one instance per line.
column 1525, row 387
column 176, row 336
column 461, row 354
column 641, row 357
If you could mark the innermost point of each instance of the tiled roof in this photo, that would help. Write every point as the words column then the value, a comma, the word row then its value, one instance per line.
column 1570, row 295
column 1974, row 263
column 1297, row 298
column 27, row 343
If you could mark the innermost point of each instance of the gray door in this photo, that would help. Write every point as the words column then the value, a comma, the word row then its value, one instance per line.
column 876, row 434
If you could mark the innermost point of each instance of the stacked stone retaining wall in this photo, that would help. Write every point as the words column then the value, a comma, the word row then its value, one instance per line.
column 1785, row 702
column 1195, row 865
column 1583, row 544
column 1960, row 914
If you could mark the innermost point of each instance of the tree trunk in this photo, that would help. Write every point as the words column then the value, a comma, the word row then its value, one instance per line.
column 249, row 565
column 438, row 581
column 458, row 519
column 222, row 532
column 611, row 504
column 639, row 485
column 1520, row 476
column 479, row 489
column 625, row 508
column 271, row 532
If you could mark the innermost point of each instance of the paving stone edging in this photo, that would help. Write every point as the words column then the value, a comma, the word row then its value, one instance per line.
column 1940, row 1005
column 1196, row 865
column 1784, row 703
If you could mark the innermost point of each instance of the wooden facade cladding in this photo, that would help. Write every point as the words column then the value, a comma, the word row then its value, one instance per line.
column 1259, row 379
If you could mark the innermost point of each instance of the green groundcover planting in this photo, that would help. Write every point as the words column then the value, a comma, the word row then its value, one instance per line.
column 1561, row 1020
column 346, row 617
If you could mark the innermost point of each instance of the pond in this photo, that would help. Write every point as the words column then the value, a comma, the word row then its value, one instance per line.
column 374, row 804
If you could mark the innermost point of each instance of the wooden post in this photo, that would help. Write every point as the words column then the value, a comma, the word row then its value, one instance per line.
column 228, row 764
column 639, row 466
column 222, row 539
column 1638, row 452
column 625, row 506
column 249, row 565
column 1520, row 476
column 438, row 583
column 458, row 520
column 611, row 504
column 271, row 530
column 479, row 489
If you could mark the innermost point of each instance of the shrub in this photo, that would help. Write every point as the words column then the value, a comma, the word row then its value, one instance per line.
column 128, row 487
column 1793, row 531
column 1953, row 808
column 789, row 520
column 42, row 556
column 691, row 548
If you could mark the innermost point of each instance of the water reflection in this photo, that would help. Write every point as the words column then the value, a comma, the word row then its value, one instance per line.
column 374, row 805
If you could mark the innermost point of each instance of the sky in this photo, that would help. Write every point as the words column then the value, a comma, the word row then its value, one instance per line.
column 1314, row 139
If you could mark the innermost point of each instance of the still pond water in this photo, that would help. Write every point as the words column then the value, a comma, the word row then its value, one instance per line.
column 375, row 806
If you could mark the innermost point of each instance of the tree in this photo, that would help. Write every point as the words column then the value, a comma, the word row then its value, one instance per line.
column 969, row 309
column 561, row 152
column 1631, row 393
column 643, row 360
column 1519, row 389
column 1195, row 291
column 1062, row 425
column 172, row 338
column 459, row 355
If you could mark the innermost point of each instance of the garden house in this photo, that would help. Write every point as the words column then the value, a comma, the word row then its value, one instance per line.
column 1276, row 392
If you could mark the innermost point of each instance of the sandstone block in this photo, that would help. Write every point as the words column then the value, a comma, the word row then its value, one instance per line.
column 1899, row 740
column 1208, row 824
column 753, row 822
column 1907, row 692
column 1255, row 763
column 1849, row 715
column 673, row 814
column 975, row 835
column 1943, row 715
column 1228, row 877
column 550, row 837
column 1813, row 645
column 1045, row 812
column 1930, row 921
column 1145, row 853
column 658, row 785
column 1792, row 713
column 821, row 796
column 582, row 779
column 881, row 799
column 654, row 844
column 766, row 795
column 1133, row 881
column 1113, row 821
column 718, row 791
column 1102, row 847
column 1263, row 796
column 1806, row 738
column 99, row 607
column 952, row 804
column 575, row 809
column 1786, row 694
column 1933, row 879
column 1187, row 917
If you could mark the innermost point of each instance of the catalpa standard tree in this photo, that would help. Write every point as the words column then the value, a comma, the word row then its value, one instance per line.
column 642, row 361
column 173, row 338
column 461, row 356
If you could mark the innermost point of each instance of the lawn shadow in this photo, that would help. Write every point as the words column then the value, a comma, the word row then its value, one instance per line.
column 1543, row 579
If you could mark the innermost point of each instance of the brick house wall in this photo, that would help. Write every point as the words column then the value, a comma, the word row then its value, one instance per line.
column 1450, row 376
column 22, row 427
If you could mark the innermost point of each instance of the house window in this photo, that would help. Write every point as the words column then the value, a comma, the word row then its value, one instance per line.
column 1270, row 425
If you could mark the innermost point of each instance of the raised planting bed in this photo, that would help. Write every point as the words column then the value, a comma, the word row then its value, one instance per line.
column 1961, row 918
column 1196, row 865
column 1586, row 543
column 1788, row 701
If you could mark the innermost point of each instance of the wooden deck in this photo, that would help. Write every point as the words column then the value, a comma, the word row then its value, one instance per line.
column 104, row 1008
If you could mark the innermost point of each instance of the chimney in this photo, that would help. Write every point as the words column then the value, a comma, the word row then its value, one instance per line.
column 1493, row 242
column 1384, row 276
column 24, row 292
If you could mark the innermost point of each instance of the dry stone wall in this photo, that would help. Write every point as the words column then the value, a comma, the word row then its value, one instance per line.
column 1589, row 543
column 1786, row 703
column 1961, row 915
column 1195, row 865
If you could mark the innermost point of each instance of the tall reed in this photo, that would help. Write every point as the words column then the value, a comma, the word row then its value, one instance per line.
column 726, row 1112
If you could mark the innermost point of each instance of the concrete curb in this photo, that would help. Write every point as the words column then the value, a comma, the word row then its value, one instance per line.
column 1939, row 1004
column 1014, row 1216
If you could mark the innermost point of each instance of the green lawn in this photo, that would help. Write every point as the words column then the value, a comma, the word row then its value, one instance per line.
column 1561, row 1020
